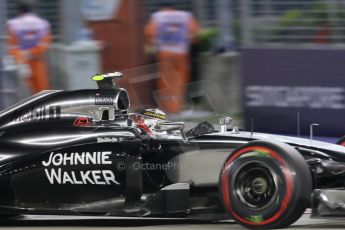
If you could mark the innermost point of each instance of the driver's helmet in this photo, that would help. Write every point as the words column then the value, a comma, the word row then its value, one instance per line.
column 148, row 119
column 154, row 114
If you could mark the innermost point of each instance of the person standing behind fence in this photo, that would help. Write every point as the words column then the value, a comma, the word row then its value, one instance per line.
column 29, row 38
column 172, row 32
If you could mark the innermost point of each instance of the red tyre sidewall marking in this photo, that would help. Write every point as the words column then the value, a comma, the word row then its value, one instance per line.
column 342, row 143
column 225, row 185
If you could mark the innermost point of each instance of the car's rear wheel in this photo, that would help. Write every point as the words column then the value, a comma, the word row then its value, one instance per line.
column 265, row 185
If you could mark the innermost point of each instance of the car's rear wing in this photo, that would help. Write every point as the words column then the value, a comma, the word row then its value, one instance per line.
column 108, row 80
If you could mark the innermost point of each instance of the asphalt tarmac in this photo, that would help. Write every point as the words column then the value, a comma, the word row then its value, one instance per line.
column 86, row 223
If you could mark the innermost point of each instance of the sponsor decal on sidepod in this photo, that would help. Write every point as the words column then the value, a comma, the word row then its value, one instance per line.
column 60, row 176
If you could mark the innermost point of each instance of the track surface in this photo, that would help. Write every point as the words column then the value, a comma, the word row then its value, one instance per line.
column 85, row 223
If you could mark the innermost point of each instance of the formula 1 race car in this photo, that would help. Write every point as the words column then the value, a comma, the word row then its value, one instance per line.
column 83, row 153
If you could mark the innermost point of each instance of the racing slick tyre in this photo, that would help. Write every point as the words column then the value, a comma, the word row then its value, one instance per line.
column 341, row 141
column 265, row 184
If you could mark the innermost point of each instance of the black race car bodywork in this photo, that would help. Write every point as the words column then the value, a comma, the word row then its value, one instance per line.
column 81, row 153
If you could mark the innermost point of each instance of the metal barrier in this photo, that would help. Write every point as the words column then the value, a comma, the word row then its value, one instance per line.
column 9, row 93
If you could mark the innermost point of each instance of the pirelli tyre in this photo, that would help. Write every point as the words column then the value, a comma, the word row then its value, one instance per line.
column 265, row 185
column 341, row 141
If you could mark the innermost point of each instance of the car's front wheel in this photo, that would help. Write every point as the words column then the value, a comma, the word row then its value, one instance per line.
column 265, row 185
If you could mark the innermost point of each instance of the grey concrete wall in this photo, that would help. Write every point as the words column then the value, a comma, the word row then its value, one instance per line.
column 71, row 66
column 223, row 72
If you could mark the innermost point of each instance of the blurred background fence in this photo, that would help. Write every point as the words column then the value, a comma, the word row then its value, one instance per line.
column 292, row 21
column 272, row 22
column 252, row 21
